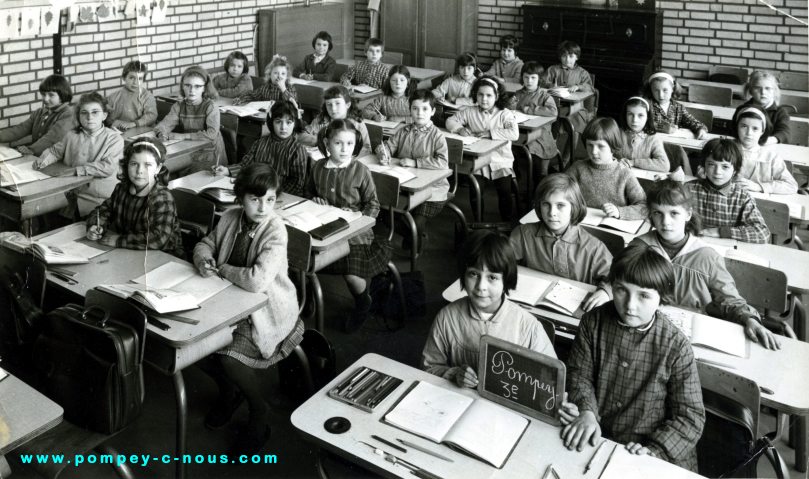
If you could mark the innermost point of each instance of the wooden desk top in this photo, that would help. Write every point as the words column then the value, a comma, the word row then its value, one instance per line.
column 793, row 262
column 41, row 188
column 780, row 371
column 539, row 447
column 738, row 90
column 536, row 122
column 424, row 177
column 122, row 265
column 482, row 147
column 531, row 217
column 574, row 97
column 419, row 74
column 26, row 413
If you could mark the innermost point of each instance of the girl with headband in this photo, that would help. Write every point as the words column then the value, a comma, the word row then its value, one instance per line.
column 641, row 147
column 490, row 119
column 762, row 169
column 762, row 88
column 140, row 214
column 668, row 114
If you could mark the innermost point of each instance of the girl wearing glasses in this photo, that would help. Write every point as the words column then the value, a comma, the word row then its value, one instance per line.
column 198, row 119
column 89, row 150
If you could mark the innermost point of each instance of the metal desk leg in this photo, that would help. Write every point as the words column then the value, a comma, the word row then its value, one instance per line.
column 182, row 419
column 478, row 210
column 317, row 293
column 800, row 443
column 530, row 182
column 414, row 233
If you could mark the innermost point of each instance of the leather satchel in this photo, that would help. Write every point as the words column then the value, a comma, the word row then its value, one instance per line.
column 90, row 365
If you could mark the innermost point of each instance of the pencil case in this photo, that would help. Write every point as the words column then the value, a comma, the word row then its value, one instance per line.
column 365, row 389
column 329, row 229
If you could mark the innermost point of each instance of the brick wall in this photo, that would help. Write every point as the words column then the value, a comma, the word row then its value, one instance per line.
column 200, row 32
column 696, row 34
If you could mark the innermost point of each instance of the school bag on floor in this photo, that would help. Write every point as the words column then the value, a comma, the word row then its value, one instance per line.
column 90, row 364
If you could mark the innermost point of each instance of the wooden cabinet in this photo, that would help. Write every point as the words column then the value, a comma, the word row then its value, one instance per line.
column 429, row 33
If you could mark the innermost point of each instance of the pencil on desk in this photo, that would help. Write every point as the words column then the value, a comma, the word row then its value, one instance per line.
column 595, row 454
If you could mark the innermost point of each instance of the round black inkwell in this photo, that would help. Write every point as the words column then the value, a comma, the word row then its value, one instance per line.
column 337, row 425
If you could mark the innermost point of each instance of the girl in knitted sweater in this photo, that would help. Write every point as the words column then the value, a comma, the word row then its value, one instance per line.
column 607, row 184
column 249, row 248
column 762, row 169
column 642, row 148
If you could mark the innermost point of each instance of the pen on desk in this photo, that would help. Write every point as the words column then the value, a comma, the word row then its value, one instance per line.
column 66, row 279
column 382, row 384
column 212, row 263
column 715, row 363
column 595, row 454
column 547, row 471
column 766, row 390
column 553, row 470
column 424, row 450
column 386, row 442
column 353, row 390
column 382, row 394
column 353, row 382
column 294, row 203
column 367, row 390
column 350, row 380
column 608, row 460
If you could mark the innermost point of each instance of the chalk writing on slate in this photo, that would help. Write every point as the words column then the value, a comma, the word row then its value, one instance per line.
column 520, row 379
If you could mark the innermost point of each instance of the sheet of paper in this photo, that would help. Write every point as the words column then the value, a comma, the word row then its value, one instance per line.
column 680, row 318
column 567, row 296
column 30, row 22
column 429, row 411
column 529, row 289
column 720, row 335
column 7, row 153
column 68, row 235
column 530, row 217
column 521, row 117
column 299, row 81
column 19, row 174
column 593, row 217
column 314, row 153
column 623, row 465
column 167, row 275
column 334, row 213
column 202, row 288
column 10, row 22
column 261, row 105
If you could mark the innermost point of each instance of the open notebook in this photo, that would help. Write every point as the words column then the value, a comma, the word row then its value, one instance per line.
column 15, row 175
column 557, row 295
column 460, row 422
column 171, row 287
column 711, row 333
column 404, row 174
column 596, row 217
column 7, row 153
column 624, row 465
column 309, row 215
column 151, row 134
column 254, row 108
column 220, row 189
column 63, row 247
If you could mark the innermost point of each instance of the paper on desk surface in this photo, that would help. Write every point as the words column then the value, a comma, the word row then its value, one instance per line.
column 467, row 140
column 364, row 88
column 623, row 465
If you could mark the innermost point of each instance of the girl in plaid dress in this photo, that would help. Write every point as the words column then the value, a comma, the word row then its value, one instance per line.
column 338, row 104
column 141, row 213
column 394, row 104
column 339, row 181
column 276, row 87
column 249, row 248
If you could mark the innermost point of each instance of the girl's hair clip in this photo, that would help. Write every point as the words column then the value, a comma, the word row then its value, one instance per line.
column 277, row 56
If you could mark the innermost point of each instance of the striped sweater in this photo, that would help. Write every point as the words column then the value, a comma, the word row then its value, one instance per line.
column 287, row 157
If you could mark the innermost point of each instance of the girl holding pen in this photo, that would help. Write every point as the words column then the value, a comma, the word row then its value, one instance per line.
column 393, row 105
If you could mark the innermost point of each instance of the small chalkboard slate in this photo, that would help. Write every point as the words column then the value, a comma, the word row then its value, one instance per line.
column 521, row 379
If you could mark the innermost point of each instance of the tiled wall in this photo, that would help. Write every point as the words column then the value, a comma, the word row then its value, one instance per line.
column 696, row 34
column 198, row 32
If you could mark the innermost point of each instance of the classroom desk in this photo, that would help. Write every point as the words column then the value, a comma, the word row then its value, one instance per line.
column 26, row 414
column 423, row 75
column 472, row 162
column 738, row 90
column 568, row 105
column 726, row 112
column 531, row 217
column 22, row 203
column 178, row 155
column 323, row 252
column 539, row 447
column 412, row 193
column 184, row 344
column 783, row 371
column 798, row 155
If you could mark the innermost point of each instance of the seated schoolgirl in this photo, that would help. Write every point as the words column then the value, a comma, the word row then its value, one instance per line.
column 90, row 150
column 141, row 213
column 558, row 245
column 488, row 272
column 249, row 248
